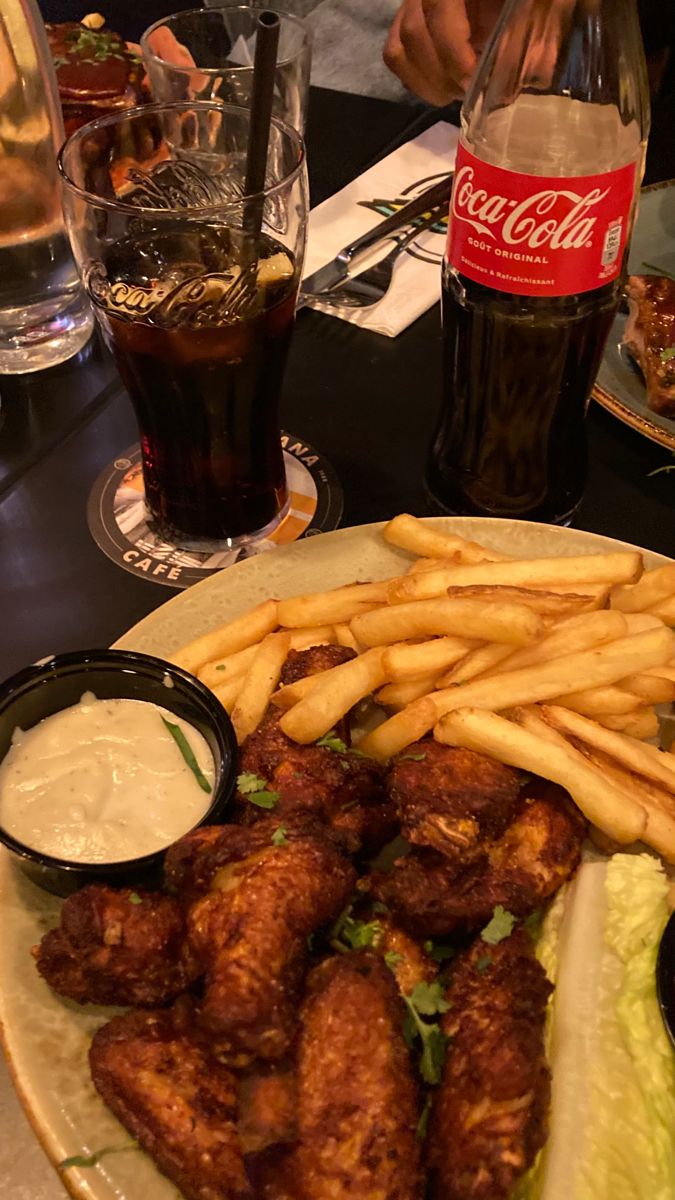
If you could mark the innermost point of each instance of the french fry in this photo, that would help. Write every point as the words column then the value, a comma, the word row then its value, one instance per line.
column 223, row 669
column 397, row 695
column 650, row 689
column 570, row 636
column 608, row 806
column 600, row 700
column 410, row 533
column 243, row 631
column 602, row 665
column 428, row 564
column 228, row 692
column 667, row 672
column 549, row 604
column 638, row 622
column 641, row 724
column 530, row 718
column 260, row 682
column 572, row 573
column 637, row 757
column 482, row 660
column 410, row 660
column 665, row 611
column 289, row 695
column 653, row 588
column 512, row 623
column 338, row 691
column 333, row 607
column 345, row 637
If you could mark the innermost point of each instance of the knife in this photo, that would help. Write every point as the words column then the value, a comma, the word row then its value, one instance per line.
column 337, row 270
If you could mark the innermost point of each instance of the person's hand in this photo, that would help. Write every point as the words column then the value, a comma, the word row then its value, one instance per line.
column 433, row 45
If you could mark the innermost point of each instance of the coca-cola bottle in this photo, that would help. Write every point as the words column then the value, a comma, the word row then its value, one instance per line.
column 548, row 171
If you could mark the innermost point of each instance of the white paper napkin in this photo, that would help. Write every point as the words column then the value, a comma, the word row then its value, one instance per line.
column 399, row 177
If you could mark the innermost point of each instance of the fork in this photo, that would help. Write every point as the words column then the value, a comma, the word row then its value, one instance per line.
column 369, row 287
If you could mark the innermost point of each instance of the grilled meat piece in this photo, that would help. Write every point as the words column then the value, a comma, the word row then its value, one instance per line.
column 250, row 935
column 118, row 947
column 344, row 790
column 489, row 1117
column 450, row 799
column 357, row 1096
column 433, row 896
column 650, row 336
column 267, row 1108
column 172, row 1097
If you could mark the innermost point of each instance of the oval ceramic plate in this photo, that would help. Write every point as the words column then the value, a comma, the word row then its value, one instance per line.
column 620, row 387
column 47, row 1039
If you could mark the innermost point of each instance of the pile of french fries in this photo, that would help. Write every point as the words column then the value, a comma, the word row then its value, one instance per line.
column 552, row 665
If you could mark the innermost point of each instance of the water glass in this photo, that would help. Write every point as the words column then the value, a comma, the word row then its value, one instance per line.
column 194, row 285
column 207, row 54
column 44, row 314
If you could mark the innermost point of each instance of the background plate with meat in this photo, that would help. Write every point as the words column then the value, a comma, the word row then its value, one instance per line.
column 620, row 386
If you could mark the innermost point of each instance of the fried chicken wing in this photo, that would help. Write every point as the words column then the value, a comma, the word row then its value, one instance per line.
column 451, row 799
column 344, row 790
column 301, row 663
column 118, row 947
column 267, row 1107
column 171, row 1096
column 539, row 850
column 250, row 933
column 489, row 1116
column 407, row 961
column 357, row 1096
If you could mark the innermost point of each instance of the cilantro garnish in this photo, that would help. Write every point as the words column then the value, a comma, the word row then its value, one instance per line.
column 379, row 907
column 91, row 1160
column 186, row 750
column 427, row 1000
column 392, row 958
column 134, row 898
column 331, row 741
column 279, row 836
column 439, row 952
column 667, row 354
column 348, row 933
column 483, row 963
column 411, row 757
column 499, row 927
column 257, row 790
column 423, row 1122
column 96, row 46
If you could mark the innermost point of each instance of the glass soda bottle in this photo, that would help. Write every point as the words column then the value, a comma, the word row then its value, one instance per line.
column 548, row 171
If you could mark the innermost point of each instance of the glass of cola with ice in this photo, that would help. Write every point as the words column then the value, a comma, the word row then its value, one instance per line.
column 194, row 285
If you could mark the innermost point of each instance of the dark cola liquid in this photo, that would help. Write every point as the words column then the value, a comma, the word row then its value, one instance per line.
column 204, row 379
column 518, row 372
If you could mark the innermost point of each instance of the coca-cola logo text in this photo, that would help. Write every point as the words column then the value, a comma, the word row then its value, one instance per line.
column 525, row 223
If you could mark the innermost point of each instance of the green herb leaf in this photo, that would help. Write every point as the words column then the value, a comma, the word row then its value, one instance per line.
column 187, row 752
column 360, row 934
column 500, row 927
column 433, row 1055
column 380, row 908
column 392, row 958
column 411, row 757
column 428, row 999
column 134, row 898
column 256, row 790
column 422, row 1124
column 91, row 1160
column 279, row 836
column 332, row 742
column 483, row 963
column 439, row 952
column 667, row 354
column 659, row 270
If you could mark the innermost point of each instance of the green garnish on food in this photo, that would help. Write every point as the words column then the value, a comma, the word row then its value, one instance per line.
column 134, row 898
column 500, row 927
column 483, row 963
column 332, row 742
column 439, row 952
column 186, row 750
column 348, row 933
column 91, row 1160
column 96, row 46
column 667, row 354
column 421, row 1131
column 411, row 757
column 279, row 836
column 392, row 958
column 257, row 790
column 427, row 1000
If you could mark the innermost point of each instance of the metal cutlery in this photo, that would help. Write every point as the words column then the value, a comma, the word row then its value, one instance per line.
column 335, row 272
column 369, row 287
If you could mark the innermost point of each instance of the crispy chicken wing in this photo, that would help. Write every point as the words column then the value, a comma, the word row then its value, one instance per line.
column 345, row 790
column 432, row 896
column 357, row 1096
column 489, row 1117
column 267, row 1107
column 406, row 959
column 301, row 663
column 118, row 947
column 250, row 934
column 179, row 1103
column 451, row 799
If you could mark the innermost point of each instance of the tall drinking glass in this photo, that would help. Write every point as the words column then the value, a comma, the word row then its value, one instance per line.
column 44, row 315
column 207, row 54
column 194, row 286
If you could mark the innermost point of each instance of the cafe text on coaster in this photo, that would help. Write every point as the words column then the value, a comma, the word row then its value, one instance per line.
column 118, row 521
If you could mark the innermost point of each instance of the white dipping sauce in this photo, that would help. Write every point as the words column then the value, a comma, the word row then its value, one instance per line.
column 103, row 781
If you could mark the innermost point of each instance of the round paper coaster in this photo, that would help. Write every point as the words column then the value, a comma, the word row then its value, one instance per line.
column 117, row 518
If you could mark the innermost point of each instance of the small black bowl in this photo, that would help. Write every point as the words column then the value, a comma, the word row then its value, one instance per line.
column 39, row 691
column 665, row 977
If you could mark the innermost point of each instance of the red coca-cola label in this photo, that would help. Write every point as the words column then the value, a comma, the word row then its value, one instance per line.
column 537, row 235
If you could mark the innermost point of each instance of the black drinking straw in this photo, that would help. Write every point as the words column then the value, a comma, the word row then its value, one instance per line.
column 264, row 66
